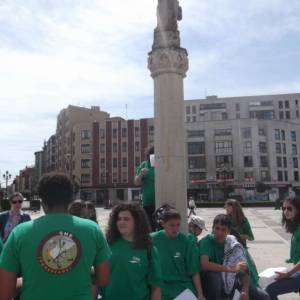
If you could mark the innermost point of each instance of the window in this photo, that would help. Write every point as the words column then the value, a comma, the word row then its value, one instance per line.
column 224, row 116
column 262, row 115
column 188, row 119
column 85, row 134
column 264, row 175
column 115, row 162
column 197, row 162
column 293, row 136
column 85, row 163
column 124, row 132
column 197, row 176
column 224, row 161
column 102, row 163
column 261, row 132
column 247, row 147
column 124, row 162
column 277, row 134
column 248, row 161
column 296, row 175
column 136, row 131
column 137, row 161
column 102, row 133
column 246, row 132
column 283, row 135
column 287, row 114
column 151, row 130
column 283, row 148
column 287, row 104
column 279, row 161
column 262, row 147
column 224, row 175
column 85, row 148
column 124, row 147
column 237, row 107
column 223, row 146
column 193, row 109
column 194, row 119
column 248, row 174
column 212, row 106
column 85, row 178
column 137, row 146
column 296, row 102
column 188, row 110
column 281, row 115
column 102, row 148
column 195, row 133
column 196, row 148
column 279, row 176
column 297, row 113
column 222, row 132
column 124, row 176
column 294, row 149
column 284, row 162
column 115, row 147
column 286, row 178
column 115, row 177
column 280, row 104
column 238, row 116
column 115, row 132
column 295, row 162
column 278, row 148
column 264, row 161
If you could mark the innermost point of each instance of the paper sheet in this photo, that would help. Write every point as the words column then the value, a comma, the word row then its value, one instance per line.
column 269, row 275
column 186, row 295
column 236, row 295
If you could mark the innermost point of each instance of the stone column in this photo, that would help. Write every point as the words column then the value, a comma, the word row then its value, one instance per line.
column 168, row 64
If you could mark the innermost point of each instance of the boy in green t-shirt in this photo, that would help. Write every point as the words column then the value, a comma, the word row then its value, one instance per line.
column 56, row 252
column 179, row 258
column 212, row 256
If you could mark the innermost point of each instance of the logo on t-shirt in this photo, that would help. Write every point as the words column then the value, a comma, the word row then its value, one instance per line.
column 177, row 255
column 59, row 252
column 135, row 260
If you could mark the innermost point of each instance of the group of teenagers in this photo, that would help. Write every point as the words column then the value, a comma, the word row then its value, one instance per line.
column 65, row 255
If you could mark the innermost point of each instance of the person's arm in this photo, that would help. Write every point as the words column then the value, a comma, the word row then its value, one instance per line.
column 8, row 283
column 155, row 293
column 282, row 275
column 139, row 177
column 206, row 265
column 101, row 274
column 245, row 287
column 198, row 286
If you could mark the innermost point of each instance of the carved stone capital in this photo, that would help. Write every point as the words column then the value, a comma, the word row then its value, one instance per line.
column 168, row 60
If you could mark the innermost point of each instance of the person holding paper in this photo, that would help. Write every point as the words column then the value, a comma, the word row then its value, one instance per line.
column 145, row 178
column 288, row 282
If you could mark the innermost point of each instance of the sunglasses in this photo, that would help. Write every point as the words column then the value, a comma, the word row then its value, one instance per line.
column 18, row 201
column 288, row 208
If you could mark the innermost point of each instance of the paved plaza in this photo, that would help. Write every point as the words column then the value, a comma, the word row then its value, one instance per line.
column 271, row 245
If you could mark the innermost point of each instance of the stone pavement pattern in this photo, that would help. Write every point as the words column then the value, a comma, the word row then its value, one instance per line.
column 271, row 245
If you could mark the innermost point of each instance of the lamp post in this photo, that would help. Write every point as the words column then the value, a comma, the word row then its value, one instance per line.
column 6, row 177
column 105, row 174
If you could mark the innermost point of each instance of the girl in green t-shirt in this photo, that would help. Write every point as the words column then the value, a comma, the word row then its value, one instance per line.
column 239, row 221
column 288, row 282
column 135, row 265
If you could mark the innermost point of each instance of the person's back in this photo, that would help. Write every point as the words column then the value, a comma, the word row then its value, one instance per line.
column 55, row 255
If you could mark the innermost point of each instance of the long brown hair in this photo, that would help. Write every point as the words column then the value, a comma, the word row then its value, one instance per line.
column 292, row 225
column 237, row 215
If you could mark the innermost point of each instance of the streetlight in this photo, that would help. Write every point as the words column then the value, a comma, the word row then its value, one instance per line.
column 6, row 177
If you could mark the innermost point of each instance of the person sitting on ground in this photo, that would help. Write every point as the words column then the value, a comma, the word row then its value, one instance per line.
column 222, row 258
column 135, row 265
column 56, row 252
column 196, row 226
column 83, row 209
column 13, row 217
column 288, row 282
column 179, row 258
column 238, row 219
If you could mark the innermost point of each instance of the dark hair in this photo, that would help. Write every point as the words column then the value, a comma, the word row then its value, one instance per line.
column 75, row 207
column 237, row 216
column 291, row 225
column 149, row 151
column 55, row 189
column 142, row 239
column 222, row 220
column 16, row 194
column 170, row 214
column 92, row 214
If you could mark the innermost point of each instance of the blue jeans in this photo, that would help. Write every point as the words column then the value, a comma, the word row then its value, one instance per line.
column 284, row 286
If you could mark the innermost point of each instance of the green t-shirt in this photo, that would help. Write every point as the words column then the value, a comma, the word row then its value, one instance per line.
column 133, row 271
column 179, row 262
column 246, row 229
column 55, row 254
column 212, row 249
column 148, row 184
column 253, row 274
column 295, row 247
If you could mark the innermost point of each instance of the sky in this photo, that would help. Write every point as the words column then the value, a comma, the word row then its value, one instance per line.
column 94, row 52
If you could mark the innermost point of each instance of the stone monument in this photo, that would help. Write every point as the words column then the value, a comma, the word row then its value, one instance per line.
column 168, row 64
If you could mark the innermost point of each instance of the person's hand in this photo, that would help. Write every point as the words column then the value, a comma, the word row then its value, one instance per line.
column 282, row 275
column 240, row 267
column 244, row 296
column 144, row 171
column 201, row 297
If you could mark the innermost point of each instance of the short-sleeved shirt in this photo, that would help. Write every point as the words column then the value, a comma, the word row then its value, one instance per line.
column 295, row 247
column 211, row 248
column 55, row 254
column 133, row 272
column 148, row 183
column 179, row 262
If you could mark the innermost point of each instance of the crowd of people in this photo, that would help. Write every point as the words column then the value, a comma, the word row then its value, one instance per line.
column 65, row 255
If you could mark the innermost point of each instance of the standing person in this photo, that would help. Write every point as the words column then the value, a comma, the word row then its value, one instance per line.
column 192, row 207
column 135, row 266
column 83, row 209
column 179, row 258
column 288, row 282
column 56, row 252
column 145, row 178
column 13, row 217
column 238, row 219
